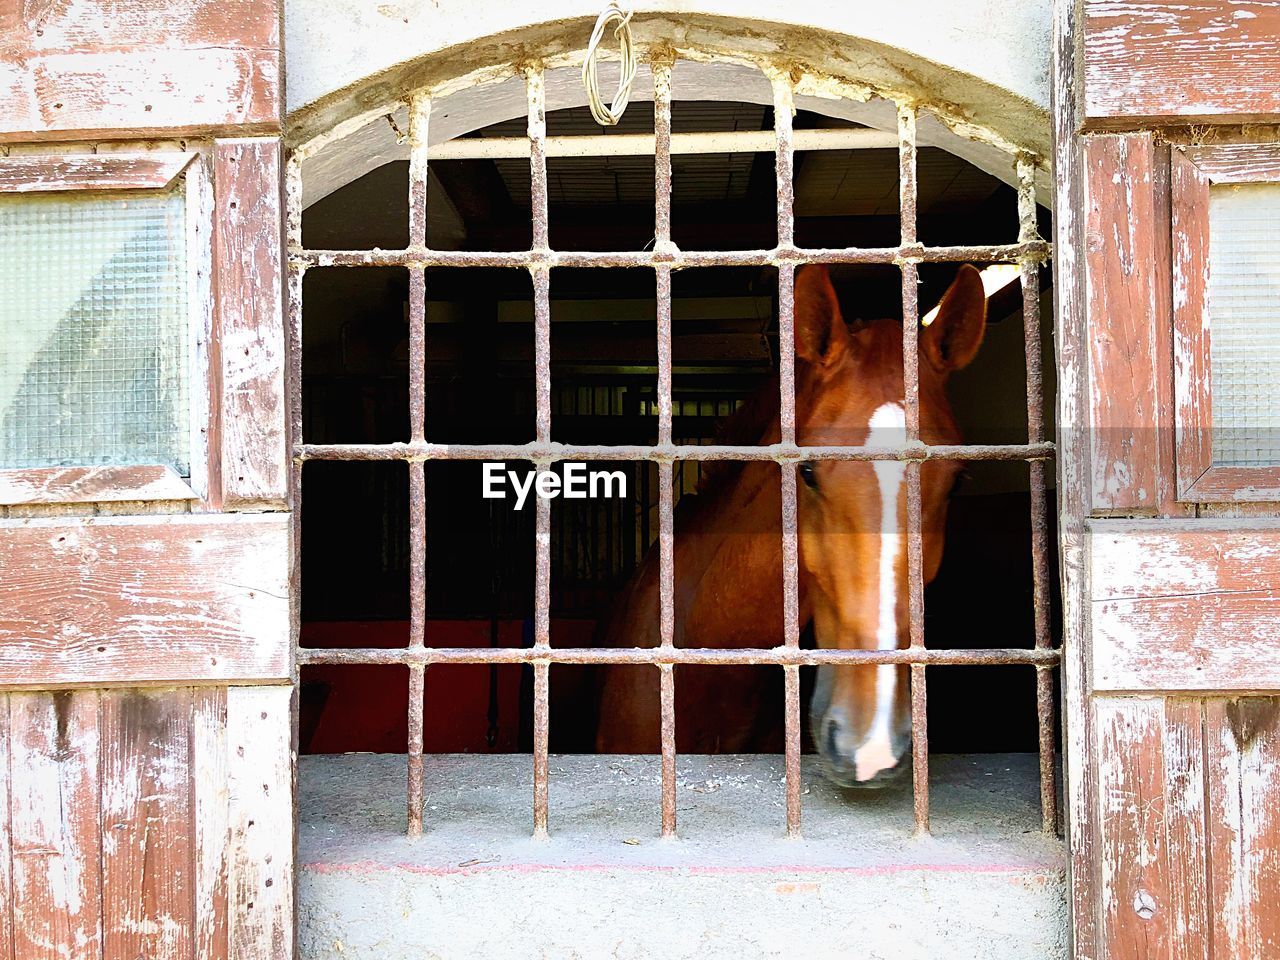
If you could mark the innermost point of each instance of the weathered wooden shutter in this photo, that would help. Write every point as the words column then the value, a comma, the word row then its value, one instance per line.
column 145, row 731
column 1171, row 563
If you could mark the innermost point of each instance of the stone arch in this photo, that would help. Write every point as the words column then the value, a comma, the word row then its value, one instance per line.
column 974, row 68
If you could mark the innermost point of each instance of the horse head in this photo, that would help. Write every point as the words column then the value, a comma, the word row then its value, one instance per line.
column 853, row 514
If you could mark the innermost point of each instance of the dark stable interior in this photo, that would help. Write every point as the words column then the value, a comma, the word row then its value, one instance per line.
column 479, row 349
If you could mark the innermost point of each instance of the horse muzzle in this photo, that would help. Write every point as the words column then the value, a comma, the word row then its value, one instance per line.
column 870, row 764
column 869, row 758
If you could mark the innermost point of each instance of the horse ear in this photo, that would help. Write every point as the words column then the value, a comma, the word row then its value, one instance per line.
column 953, row 338
column 821, row 334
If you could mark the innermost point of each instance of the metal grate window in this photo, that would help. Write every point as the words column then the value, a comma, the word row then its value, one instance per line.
column 94, row 347
column 1029, row 252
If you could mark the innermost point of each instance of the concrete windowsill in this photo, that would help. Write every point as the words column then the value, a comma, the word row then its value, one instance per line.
column 987, row 883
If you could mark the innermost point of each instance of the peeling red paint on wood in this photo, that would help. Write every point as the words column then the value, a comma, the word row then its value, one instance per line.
column 6, row 888
column 141, row 68
column 1235, row 162
column 1074, row 480
column 1191, row 362
column 144, row 599
column 1194, row 170
column 260, row 783
column 54, row 758
column 250, row 321
column 1151, row 816
column 1186, row 842
column 147, row 897
column 123, row 801
column 1132, row 817
column 1164, row 558
column 1123, row 322
column 210, row 804
column 1242, row 751
column 98, row 171
column 1191, row 835
column 92, row 485
column 1167, row 503
column 1219, row 642
column 1185, row 605
column 1146, row 60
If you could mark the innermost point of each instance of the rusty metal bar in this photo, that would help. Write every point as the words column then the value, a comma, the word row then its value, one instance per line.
column 644, row 145
column 417, row 641
column 915, row 608
column 293, row 321
column 1030, row 251
column 419, row 121
column 1030, row 277
column 678, row 259
column 907, row 205
column 666, row 499
column 663, row 291
column 782, row 656
column 666, row 622
column 419, row 117
column 541, row 273
column 784, row 163
column 416, row 775
column 294, row 276
column 661, row 154
column 778, row 453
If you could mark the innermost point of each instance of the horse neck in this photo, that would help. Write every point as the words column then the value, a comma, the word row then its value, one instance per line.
column 729, row 563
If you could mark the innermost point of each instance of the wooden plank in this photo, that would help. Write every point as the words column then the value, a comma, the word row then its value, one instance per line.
column 144, row 599
column 147, row 895
column 1185, row 605
column 56, row 836
column 92, row 485
column 210, row 806
column 1235, row 162
column 144, row 91
column 142, row 69
column 1220, row 642
column 1192, row 60
column 260, row 781
column 6, row 879
column 248, row 224
column 97, row 171
column 1135, row 894
column 1193, row 398
column 140, row 23
column 1122, row 321
column 1242, row 741
column 1074, row 480
column 1132, row 559
column 1167, row 503
column 1151, row 822
column 1185, row 841
column 206, row 462
column 1236, row 484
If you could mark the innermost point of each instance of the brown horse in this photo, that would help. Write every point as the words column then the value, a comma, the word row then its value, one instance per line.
column 853, row 563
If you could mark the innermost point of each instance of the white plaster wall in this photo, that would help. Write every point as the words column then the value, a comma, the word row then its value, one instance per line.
column 332, row 44
column 981, row 65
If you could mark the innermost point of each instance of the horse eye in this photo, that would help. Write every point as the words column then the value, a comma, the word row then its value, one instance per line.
column 809, row 475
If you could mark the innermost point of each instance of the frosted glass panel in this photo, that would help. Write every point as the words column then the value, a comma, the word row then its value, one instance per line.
column 1244, row 322
column 94, row 335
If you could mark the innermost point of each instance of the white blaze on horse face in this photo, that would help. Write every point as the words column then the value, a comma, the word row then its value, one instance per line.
column 888, row 428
